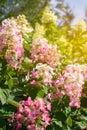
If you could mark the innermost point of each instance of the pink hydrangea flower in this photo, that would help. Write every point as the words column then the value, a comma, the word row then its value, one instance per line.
column 70, row 83
column 74, row 78
column 42, row 72
column 11, row 39
column 33, row 83
column 43, row 52
column 31, row 114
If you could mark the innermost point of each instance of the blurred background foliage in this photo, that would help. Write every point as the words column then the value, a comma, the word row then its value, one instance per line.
column 64, row 12
column 33, row 10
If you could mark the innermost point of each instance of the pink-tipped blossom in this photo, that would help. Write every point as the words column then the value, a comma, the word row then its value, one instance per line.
column 74, row 79
column 11, row 39
column 32, row 114
column 33, row 83
column 70, row 83
column 43, row 52
column 43, row 72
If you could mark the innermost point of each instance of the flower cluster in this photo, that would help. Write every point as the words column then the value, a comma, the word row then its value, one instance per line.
column 23, row 25
column 32, row 114
column 48, row 16
column 74, row 78
column 43, row 52
column 70, row 83
column 58, row 86
column 11, row 40
column 43, row 72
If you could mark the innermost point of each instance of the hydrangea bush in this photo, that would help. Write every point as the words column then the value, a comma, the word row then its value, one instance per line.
column 43, row 75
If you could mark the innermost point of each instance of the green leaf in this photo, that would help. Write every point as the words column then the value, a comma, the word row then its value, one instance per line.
column 9, row 81
column 69, row 121
column 4, row 115
column 45, row 89
column 81, row 125
column 15, row 81
column 56, row 127
column 40, row 94
column 60, row 116
column 59, row 123
column 27, row 46
column 2, row 96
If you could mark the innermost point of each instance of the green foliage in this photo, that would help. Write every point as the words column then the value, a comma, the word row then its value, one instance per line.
column 64, row 12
